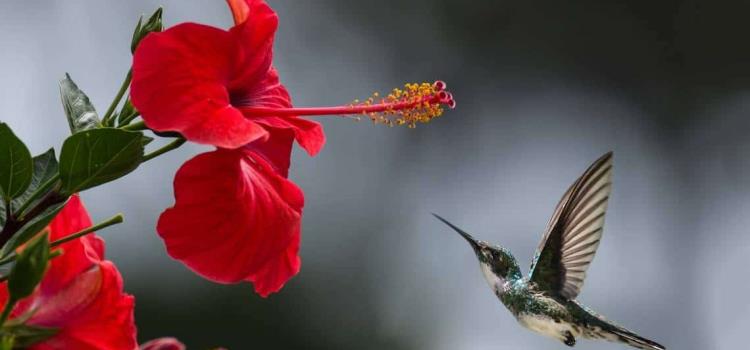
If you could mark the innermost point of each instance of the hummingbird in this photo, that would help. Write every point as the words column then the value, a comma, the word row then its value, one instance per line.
column 545, row 301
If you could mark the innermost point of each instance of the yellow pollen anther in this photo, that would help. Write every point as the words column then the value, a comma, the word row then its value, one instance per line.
column 415, row 103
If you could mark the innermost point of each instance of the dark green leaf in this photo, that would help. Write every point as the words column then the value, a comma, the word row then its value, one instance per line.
column 26, row 335
column 97, row 156
column 29, row 268
column 15, row 164
column 78, row 108
column 153, row 24
column 31, row 228
column 45, row 167
column 146, row 140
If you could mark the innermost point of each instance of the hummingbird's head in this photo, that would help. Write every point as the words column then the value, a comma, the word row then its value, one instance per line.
column 496, row 262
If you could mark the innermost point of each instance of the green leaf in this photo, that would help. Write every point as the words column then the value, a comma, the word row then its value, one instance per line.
column 16, row 169
column 29, row 268
column 78, row 108
column 45, row 167
column 31, row 228
column 25, row 336
column 146, row 140
column 93, row 157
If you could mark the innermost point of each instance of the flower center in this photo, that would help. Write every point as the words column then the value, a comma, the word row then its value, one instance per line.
column 415, row 103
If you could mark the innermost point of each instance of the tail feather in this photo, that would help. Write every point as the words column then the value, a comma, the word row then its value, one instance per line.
column 602, row 328
column 636, row 340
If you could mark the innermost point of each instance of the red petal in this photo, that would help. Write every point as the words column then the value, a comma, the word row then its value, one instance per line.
column 272, row 277
column 91, row 313
column 80, row 254
column 256, row 23
column 277, row 150
column 240, row 10
column 180, row 79
column 308, row 134
column 254, row 12
column 233, row 218
column 270, row 93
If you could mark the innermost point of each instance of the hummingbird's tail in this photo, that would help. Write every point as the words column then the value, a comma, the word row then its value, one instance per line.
column 625, row 336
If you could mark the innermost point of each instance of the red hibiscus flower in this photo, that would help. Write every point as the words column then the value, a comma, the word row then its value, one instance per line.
column 236, row 217
column 81, row 296
column 218, row 87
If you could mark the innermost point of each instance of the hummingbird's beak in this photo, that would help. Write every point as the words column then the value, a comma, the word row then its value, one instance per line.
column 468, row 237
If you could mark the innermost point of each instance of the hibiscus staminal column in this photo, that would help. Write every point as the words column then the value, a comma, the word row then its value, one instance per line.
column 415, row 103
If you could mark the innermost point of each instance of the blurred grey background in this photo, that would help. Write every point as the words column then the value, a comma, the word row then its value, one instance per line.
column 543, row 89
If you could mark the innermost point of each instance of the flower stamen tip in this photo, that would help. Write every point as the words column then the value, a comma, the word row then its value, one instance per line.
column 415, row 103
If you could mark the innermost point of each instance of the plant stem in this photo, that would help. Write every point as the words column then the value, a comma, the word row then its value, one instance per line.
column 12, row 256
column 8, row 258
column 168, row 147
column 124, row 87
column 135, row 126
column 12, row 226
column 128, row 119
column 109, row 222
column 6, row 311
column 34, row 196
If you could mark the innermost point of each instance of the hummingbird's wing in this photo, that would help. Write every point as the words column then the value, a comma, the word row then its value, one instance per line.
column 573, row 232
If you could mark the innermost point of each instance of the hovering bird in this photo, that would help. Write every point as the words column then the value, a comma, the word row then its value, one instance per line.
column 545, row 301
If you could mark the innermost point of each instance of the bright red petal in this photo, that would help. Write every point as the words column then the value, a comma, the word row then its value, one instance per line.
column 276, row 151
column 255, row 12
column 180, row 79
column 278, row 270
column 240, row 10
column 256, row 20
column 91, row 313
column 79, row 254
column 308, row 134
column 270, row 93
column 233, row 217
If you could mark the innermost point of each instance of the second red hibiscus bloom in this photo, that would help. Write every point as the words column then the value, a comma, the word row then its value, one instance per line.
column 81, row 296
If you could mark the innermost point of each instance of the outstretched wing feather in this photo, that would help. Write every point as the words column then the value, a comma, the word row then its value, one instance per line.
column 574, row 232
